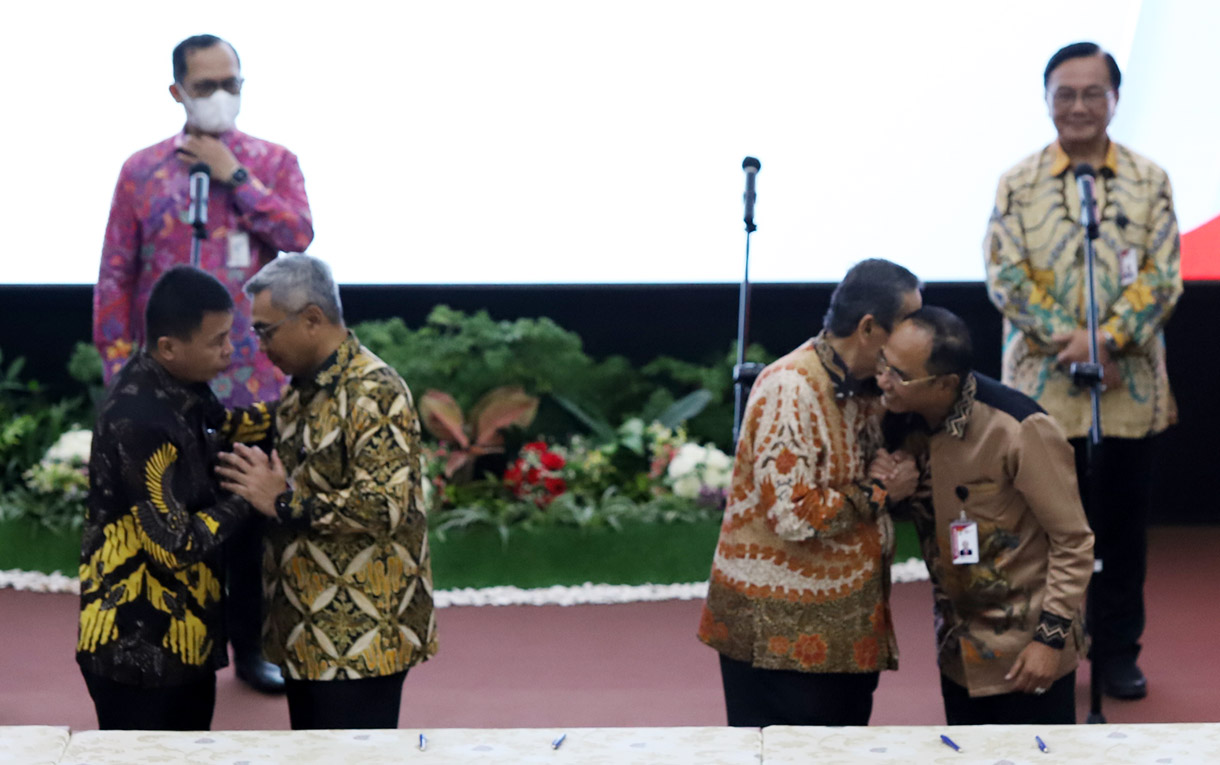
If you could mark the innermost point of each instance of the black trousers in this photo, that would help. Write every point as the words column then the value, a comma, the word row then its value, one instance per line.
column 243, row 557
column 130, row 707
column 1120, row 525
column 1055, row 707
column 370, row 702
column 756, row 698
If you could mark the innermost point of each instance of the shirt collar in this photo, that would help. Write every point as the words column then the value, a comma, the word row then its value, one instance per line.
column 329, row 371
column 185, row 395
column 959, row 416
column 845, row 385
column 1062, row 161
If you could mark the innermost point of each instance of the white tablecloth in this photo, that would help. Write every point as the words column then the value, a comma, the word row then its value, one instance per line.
column 1175, row 744
column 595, row 746
column 32, row 744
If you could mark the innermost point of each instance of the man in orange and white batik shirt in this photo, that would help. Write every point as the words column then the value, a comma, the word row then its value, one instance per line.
column 798, row 604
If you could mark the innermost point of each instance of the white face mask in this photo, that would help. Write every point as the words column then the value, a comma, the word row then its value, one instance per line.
column 214, row 114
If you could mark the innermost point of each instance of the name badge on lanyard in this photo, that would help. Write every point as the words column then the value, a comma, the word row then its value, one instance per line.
column 1128, row 267
column 239, row 250
column 964, row 541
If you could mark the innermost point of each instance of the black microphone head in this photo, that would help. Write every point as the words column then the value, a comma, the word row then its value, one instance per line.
column 1085, row 169
column 962, row 493
column 749, row 163
column 201, row 167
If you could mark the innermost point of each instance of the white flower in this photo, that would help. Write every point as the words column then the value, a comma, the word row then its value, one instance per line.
column 686, row 461
column 688, row 486
column 72, row 447
column 718, row 460
column 717, row 479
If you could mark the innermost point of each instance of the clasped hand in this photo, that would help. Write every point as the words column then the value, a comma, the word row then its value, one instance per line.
column 1074, row 348
column 897, row 472
column 252, row 475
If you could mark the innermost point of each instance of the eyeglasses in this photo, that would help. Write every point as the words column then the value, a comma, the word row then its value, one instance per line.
column 205, row 88
column 885, row 370
column 1094, row 98
column 264, row 332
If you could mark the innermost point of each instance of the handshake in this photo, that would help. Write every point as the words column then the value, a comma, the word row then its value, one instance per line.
column 896, row 471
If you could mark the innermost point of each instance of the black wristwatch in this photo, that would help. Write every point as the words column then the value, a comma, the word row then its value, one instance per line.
column 239, row 176
column 283, row 504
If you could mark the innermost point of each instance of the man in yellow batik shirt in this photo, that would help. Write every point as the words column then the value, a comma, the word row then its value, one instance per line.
column 1036, row 276
column 348, row 572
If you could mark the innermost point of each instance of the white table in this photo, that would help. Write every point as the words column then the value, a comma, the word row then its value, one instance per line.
column 594, row 746
column 32, row 744
column 1173, row 744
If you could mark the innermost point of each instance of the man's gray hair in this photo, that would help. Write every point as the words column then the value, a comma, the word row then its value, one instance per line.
column 297, row 281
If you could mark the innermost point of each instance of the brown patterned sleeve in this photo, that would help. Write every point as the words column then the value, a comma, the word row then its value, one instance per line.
column 382, row 435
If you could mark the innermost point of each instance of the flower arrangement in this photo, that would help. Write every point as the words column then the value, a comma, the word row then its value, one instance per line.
column 55, row 488
column 700, row 473
column 537, row 475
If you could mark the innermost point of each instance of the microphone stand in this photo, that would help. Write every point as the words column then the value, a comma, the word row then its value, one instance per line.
column 1089, row 375
column 744, row 374
column 197, row 243
column 199, row 180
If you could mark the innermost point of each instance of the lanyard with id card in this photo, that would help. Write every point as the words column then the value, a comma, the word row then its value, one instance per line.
column 239, row 250
column 964, row 535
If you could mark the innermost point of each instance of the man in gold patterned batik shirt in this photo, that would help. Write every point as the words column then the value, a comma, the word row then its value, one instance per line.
column 798, row 602
column 151, row 633
column 1036, row 276
column 348, row 573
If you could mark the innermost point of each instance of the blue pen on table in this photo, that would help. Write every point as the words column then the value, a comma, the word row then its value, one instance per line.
column 423, row 742
column 949, row 743
column 1042, row 745
column 555, row 744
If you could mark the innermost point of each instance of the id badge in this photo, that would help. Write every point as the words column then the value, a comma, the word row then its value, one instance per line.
column 1128, row 267
column 239, row 250
column 964, row 542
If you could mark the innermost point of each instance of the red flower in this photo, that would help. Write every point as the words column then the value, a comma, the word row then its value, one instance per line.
column 555, row 486
column 552, row 461
column 536, row 446
column 531, row 475
column 513, row 474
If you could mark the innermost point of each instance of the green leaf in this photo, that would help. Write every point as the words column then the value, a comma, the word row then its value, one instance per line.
column 685, row 408
column 598, row 427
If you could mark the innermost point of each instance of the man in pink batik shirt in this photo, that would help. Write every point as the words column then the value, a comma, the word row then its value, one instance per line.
column 256, row 209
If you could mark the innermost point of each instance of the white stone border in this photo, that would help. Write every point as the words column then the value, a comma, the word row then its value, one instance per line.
column 912, row 570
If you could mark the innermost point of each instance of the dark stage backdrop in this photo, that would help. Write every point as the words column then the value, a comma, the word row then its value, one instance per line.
column 693, row 322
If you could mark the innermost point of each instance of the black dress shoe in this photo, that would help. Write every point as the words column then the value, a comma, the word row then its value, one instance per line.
column 1124, row 680
column 262, row 676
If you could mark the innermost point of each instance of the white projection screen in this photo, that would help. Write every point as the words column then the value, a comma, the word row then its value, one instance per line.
column 599, row 142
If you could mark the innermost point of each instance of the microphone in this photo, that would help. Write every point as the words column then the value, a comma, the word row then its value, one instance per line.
column 1085, row 183
column 197, row 215
column 751, row 166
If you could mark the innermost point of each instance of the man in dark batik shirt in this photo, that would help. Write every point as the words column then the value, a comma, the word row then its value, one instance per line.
column 151, row 626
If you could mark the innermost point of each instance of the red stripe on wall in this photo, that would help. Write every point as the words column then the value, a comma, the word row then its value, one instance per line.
column 1201, row 251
